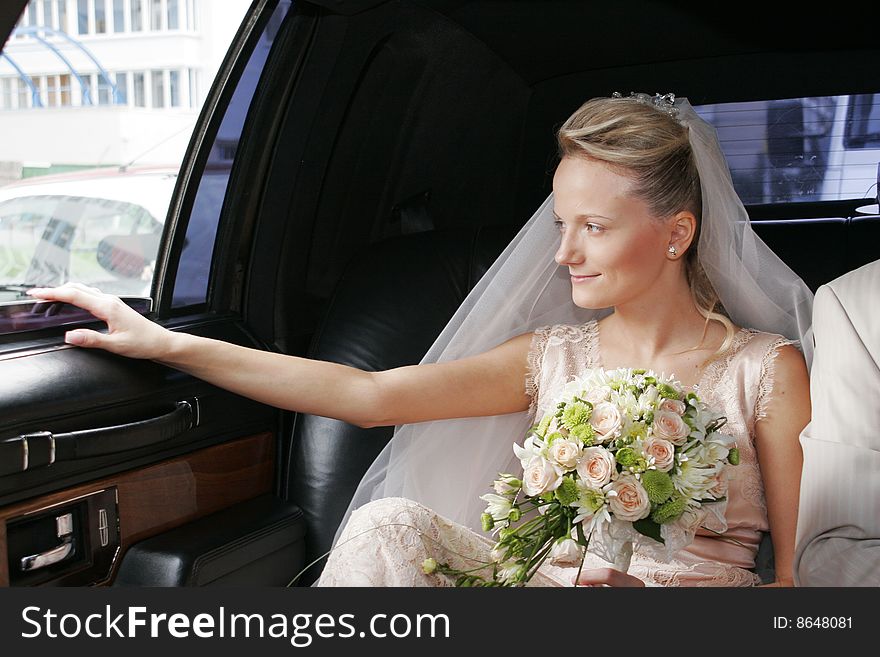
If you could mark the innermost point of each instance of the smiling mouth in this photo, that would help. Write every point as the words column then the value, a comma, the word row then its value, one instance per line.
column 581, row 278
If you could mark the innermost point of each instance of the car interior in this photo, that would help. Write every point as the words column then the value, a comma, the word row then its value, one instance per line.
column 390, row 152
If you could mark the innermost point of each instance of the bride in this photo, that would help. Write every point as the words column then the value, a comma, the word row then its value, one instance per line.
column 643, row 256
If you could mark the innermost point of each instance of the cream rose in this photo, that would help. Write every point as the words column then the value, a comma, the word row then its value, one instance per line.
column 598, row 395
column 663, row 452
column 540, row 476
column 675, row 405
column 669, row 426
column 565, row 553
column 628, row 500
column 566, row 453
column 606, row 421
column 596, row 467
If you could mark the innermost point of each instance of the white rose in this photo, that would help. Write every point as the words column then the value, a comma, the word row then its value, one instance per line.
column 628, row 500
column 596, row 467
column 606, row 420
column 540, row 476
column 663, row 452
column 598, row 395
column 566, row 452
column 565, row 553
column 669, row 426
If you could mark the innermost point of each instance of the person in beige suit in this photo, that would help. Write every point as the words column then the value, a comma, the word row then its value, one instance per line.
column 838, row 534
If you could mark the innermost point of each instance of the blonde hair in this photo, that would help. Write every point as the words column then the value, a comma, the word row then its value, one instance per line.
column 653, row 150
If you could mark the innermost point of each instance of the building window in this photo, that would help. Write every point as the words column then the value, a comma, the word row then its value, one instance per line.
column 100, row 17
column 158, row 89
column 155, row 15
column 6, row 93
column 32, row 13
column 51, row 91
column 47, row 14
column 138, row 89
column 173, row 15
column 137, row 15
column 64, row 89
column 61, row 6
column 82, row 16
column 193, row 88
column 121, row 89
column 24, row 94
column 174, row 88
column 119, row 15
column 103, row 86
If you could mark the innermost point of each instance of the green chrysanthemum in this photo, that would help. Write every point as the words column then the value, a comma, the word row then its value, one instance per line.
column 488, row 522
column 658, row 485
column 667, row 391
column 575, row 414
column 626, row 456
column 669, row 511
column 567, row 492
column 585, row 433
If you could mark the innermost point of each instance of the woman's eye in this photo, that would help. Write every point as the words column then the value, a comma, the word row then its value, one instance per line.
column 593, row 228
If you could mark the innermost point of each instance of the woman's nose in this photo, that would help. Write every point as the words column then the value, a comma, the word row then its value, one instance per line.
column 568, row 251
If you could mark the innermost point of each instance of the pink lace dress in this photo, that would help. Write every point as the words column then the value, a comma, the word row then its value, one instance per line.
column 385, row 541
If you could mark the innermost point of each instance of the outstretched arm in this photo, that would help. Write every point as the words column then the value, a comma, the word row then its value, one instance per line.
column 486, row 384
column 779, row 454
column 838, row 540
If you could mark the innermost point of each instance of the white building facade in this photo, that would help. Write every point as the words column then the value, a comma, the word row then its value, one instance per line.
column 109, row 82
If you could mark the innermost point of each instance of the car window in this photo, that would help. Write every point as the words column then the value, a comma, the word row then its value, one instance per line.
column 95, row 126
column 818, row 148
column 191, row 282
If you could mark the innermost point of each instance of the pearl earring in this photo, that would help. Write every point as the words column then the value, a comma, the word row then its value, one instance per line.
column 672, row 250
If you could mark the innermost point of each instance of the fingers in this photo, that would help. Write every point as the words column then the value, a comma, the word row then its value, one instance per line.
column 88, row 298
column 85, row 338
column 606, row 577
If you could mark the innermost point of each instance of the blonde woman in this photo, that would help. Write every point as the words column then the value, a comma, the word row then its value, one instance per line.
column 642, row 257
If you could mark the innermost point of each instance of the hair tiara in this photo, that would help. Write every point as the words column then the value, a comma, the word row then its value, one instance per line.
column 663, row 102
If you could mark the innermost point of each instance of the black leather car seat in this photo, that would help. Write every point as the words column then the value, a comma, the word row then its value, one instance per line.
column 390, row 304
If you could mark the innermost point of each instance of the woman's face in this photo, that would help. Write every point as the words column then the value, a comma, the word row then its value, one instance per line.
column 606, row 234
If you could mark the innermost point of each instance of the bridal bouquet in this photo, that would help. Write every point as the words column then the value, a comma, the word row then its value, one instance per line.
column 627, row 458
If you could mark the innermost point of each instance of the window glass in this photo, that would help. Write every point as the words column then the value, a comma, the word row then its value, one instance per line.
column 137, row 15
column 818, row 148
column 191, row 284
column 61, row 8
column 118, row 15
column 89, row 154
column 82, row 16
column 173, row 15
column 100, row 17
column 155, row 15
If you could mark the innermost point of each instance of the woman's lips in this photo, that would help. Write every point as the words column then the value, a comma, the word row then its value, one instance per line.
column 579, row 279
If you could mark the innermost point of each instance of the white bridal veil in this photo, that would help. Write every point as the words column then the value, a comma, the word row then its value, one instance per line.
column 447, row 464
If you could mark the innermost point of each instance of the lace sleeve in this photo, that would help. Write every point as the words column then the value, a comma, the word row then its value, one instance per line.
column 533, row 371
column 768, row 371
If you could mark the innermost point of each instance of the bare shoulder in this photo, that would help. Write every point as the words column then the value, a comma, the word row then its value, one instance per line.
column 785, row 396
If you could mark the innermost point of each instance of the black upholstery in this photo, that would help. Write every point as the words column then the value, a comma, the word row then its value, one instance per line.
column 391, row 303
column 396, row 296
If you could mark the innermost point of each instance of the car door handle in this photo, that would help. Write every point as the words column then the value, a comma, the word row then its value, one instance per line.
column 47, row 558
column 64, row 529
column 44, row 448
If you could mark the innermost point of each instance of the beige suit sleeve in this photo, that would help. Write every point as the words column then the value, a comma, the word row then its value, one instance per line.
column 838, row 534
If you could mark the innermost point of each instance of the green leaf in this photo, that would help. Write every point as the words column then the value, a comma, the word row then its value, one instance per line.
column 581, row 539
column 649, row 528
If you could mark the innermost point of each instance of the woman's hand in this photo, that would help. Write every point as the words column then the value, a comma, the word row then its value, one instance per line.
column 129, row 333
column 605, row 577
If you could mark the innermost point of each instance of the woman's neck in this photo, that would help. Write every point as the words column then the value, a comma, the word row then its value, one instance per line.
column 660, row 324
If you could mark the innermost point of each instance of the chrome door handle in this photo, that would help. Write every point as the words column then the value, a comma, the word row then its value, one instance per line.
column 47, row 558
column 64, row 530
